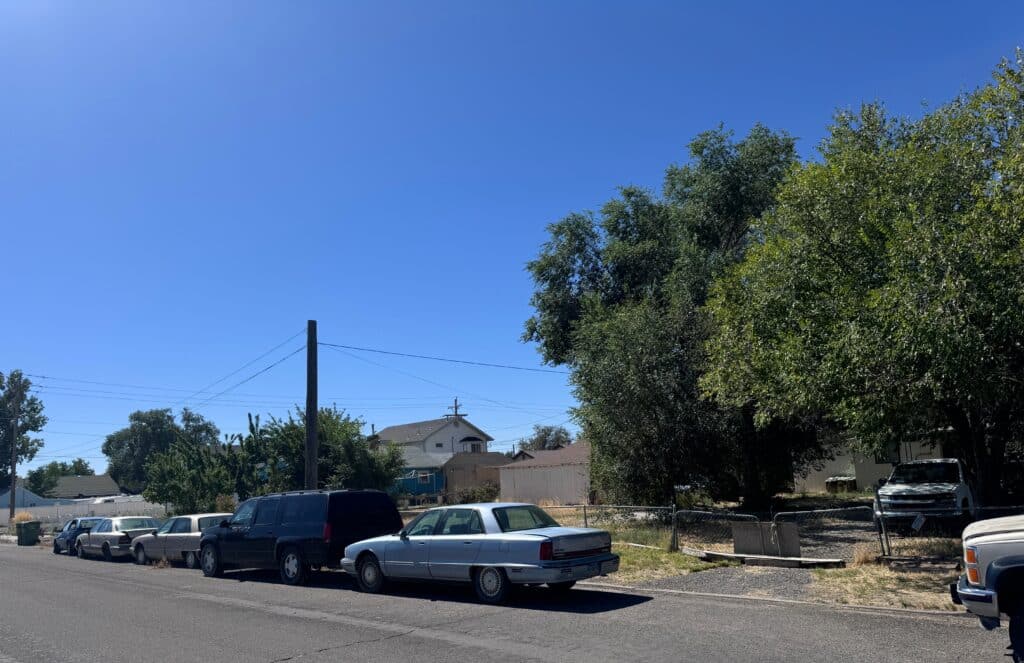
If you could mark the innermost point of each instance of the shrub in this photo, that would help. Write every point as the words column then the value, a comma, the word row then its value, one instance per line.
column 486, row 492
column 22, row 517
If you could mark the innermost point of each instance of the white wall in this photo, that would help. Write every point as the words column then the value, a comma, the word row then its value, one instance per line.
column 449, row 437
column 61, row 512
column 562, row 484
column 866, row 470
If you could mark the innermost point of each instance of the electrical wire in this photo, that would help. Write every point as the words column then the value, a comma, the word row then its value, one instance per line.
column 446, row 359
column 254, row 375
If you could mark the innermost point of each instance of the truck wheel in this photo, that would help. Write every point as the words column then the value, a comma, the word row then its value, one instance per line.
column 294, row 569
column 1017, row 636
column 210, row 559
column 491, row 584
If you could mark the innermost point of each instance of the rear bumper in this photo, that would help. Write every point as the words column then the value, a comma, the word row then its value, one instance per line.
column 567, row 571
column 977, row 600
column 121, row 550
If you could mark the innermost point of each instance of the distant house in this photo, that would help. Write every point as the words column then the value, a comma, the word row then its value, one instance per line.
column 561, row 476
column 23, row 497
column 426, row 447
column 866, row 470
column 82, row 487
column 468, row 470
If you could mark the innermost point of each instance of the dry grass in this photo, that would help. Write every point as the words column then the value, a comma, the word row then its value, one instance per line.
column 645, row 564
column 160, row 564
column 940, row 547
column 878, row 585
column 864, row 555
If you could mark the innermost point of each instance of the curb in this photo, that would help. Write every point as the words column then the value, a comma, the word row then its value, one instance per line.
column 773, row 599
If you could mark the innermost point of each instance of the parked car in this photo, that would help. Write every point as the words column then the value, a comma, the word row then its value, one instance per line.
column 492, row 546
column 112, row 537
column 294, row 532
column 934, row 489
column 65, row 539
column 177, row 540
column 993, row 584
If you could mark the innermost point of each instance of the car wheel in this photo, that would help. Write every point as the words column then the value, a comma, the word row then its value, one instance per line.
column 56, row 548
column 294, row 570
column 561, row 587
column 210, row 559
column 369, row 577
column 191, row 560
column 140, row 555
column 79, row 550
column 72, row 551
column 491, row 584
column 107, row 555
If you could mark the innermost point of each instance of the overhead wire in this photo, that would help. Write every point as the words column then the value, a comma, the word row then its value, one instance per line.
column 446, row 359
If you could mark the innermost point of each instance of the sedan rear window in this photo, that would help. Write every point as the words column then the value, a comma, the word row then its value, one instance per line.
column 137, row 523
column 518, row 518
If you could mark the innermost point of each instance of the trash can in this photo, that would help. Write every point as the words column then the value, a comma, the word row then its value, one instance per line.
column 28, row 533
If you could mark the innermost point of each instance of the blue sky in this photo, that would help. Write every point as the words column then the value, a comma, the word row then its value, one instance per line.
column 183, row 185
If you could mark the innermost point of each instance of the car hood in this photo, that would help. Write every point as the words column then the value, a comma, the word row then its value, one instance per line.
column 896, row 489
column 994, row 526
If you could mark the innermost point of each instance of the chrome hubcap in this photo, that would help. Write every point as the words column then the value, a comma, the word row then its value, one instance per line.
column 370, row 573
column 208, row 559
column 291, row 565
column 490, row 582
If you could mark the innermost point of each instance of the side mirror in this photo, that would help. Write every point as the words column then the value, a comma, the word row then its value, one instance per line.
column 883, row 481
column 224, row 523
column 403, row 535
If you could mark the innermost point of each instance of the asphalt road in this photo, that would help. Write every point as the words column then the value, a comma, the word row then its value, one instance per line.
column 57, row 608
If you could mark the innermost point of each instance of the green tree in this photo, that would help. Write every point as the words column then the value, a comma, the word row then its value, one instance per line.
column 190, row 475
column 151, row 432
column 888, row 292
column 619, row 299
column 14, row 391
column 43, row 480
column 546, row 437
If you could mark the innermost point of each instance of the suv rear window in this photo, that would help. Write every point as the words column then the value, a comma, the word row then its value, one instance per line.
column 365, row 514
column 303, row 508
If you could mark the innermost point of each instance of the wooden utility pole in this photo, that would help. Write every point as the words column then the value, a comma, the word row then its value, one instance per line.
column 311, row 408
column 16, row 406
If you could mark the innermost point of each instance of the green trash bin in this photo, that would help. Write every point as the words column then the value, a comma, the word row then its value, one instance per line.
column 28, row 533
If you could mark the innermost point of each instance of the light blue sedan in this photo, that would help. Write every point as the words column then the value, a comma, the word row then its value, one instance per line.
column 492, row 546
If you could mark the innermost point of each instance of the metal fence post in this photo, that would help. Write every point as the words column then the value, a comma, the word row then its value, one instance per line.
column 883, row 532
column 585, row 523
column 673, row 542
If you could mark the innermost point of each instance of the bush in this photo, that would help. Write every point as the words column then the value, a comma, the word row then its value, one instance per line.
column 486, row 492
column 22, row 517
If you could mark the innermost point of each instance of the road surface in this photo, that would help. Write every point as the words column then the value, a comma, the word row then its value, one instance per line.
column 58, row 608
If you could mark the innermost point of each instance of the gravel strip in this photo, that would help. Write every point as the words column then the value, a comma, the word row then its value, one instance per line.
column 742, row 580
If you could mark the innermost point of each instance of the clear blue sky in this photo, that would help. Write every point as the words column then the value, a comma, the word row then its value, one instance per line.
column 183, row 185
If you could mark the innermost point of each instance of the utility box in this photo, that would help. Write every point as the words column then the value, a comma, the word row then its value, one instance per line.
column 773, row 539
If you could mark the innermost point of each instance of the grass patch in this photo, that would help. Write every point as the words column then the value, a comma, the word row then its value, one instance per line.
column 878, row 585
column 941, row 547
column 645, row 564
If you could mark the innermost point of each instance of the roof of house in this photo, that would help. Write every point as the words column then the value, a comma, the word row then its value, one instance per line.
column 489, row 459
column 23, row 497
column 418, row 431
column 100, row 485
column 574, row 454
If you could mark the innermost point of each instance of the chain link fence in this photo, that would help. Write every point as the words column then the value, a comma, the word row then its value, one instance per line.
column 930, row 536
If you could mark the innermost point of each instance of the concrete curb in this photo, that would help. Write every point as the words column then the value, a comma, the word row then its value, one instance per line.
column 772, row 599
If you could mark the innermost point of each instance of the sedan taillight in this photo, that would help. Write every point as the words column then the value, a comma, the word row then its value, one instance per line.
column 327, row 532
column 547, row 551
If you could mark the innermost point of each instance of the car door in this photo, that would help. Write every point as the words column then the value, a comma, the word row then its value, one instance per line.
column 452, row 551
column 407, row 556
column 175, row 542
column 232, row 545
column 262, row 536
column 157, row 546
column 94, row 537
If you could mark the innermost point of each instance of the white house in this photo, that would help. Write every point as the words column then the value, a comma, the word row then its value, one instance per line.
column 445, row 437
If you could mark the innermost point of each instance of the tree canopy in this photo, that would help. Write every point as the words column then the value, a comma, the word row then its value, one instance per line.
column 546, row 437
column 888, row 291
column 14, row 395
column 151, row 432
column 43, row 480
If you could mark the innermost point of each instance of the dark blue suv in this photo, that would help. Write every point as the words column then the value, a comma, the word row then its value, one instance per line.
column 296, row 532
column 65, row 540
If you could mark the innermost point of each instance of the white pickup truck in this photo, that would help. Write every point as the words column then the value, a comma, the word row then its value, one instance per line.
column 993, row 585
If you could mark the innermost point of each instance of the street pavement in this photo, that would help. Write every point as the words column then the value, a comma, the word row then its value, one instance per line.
column 58, row 608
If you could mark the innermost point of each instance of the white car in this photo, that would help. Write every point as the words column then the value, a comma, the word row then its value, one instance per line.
column 492, row 546
column 919, row 490
column 993, row 585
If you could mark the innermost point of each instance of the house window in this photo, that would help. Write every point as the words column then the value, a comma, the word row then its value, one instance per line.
column 439, row 445
column 475, row 447
column 424, row 477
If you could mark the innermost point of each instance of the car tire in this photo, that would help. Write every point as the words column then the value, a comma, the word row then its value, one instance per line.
column 369, row 576
column 140, row 555
column 79, row 550
column 561, row 587
column 72, row 552
column 191, row 560
column 209, row 559
column 56, row 548
column 107, row 555
column 491, row 584
column 293, row 567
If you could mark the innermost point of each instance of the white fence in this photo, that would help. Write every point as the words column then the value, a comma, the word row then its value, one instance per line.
column 58, row 513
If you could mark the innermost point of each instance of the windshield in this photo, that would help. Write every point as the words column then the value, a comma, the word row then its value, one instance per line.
column 137, row 523
column 926, row 473
column 518, row 518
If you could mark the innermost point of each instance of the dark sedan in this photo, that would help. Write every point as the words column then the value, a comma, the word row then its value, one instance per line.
column 64, row 542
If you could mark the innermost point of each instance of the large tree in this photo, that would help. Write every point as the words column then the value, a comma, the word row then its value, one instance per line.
column 889, row 289
column 14, row 395
column 43, row 480
column 546, row 437
column 151, row 432
column 619, row 299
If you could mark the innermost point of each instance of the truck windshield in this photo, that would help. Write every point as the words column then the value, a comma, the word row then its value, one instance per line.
column 518, row 518
column 926, row 473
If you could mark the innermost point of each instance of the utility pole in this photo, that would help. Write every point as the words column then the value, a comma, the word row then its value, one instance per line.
column 16, row 406
column 311, row 407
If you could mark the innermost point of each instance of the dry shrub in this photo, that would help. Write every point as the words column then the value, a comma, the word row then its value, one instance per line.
column 864, row 555
column 547, row 502
column 160, row 564
column 22, row 517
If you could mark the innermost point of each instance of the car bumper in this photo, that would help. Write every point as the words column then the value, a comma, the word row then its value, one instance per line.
column 977, row 600
column 348, row 565
column 907, row 514
column 121, row 550
column 564, row 571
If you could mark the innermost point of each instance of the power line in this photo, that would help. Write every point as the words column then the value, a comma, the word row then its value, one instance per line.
column 244, row 366
column 254, row 375
column 446, row 359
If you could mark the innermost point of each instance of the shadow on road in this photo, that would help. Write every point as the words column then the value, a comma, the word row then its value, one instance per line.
column 577, row 601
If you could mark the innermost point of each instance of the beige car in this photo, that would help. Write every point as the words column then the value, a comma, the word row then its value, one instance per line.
column 177, row 540
column 113, row 537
